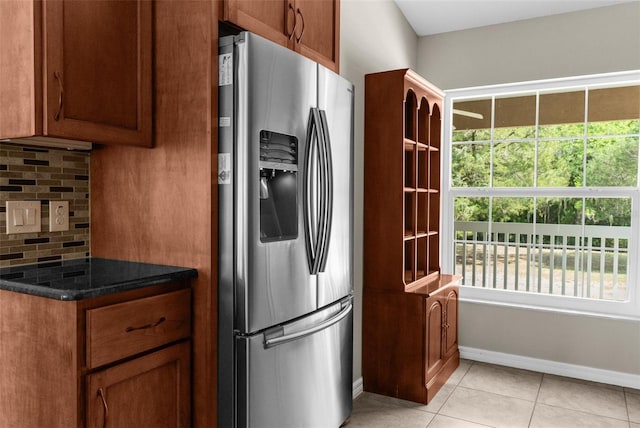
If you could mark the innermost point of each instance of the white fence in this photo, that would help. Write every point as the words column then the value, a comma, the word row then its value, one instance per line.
column 567, row 260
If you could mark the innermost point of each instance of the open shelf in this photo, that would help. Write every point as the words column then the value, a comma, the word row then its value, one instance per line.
column 410, row 115
column 402, row 154
column 409, row 214
column 409, row 167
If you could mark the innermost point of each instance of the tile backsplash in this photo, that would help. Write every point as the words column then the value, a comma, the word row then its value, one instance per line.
column 30, row 174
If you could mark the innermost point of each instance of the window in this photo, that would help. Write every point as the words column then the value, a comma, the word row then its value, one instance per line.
column 541, row 181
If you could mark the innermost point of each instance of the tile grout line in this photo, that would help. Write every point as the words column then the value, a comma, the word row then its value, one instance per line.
column 535, row 402
column 626, row 405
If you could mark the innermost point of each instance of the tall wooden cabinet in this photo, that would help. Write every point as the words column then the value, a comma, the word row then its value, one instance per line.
column 77, row 70
column 410, row 307
column 309, row 27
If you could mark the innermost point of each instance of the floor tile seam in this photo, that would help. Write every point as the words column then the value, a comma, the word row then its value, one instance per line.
column 584, row 412
column 585, row 382
column 626, row 405
column 495, row 393
column 461, row 419
column 533, row 411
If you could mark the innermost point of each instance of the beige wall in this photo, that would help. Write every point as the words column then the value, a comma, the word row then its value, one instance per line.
column 595, row 342
column 587, row 42
column 374, row 37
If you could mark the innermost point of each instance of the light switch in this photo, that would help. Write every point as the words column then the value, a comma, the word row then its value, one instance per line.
column 31, row 216
column 23, row 217
column 58, row 216
column 18, row 217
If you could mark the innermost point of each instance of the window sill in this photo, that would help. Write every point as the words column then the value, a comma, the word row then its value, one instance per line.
column 626, row 311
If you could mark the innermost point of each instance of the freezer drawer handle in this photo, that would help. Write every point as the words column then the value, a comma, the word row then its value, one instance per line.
column 269, row 343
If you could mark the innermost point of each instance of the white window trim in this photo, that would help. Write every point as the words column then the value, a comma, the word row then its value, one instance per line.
column 629, row 309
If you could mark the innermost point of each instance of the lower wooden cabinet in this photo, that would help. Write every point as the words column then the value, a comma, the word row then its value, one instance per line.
column 410, row 342
column 150, row 391
column 116, row 361
column 442, row 338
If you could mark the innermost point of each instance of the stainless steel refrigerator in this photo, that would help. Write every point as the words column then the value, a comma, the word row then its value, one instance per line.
column 285, row 183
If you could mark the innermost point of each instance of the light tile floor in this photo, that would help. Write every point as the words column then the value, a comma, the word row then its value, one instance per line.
column 486, row 395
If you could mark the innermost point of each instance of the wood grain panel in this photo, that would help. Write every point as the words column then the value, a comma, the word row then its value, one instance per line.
column 17, row 68
column 393, row 344
column 98, row 70
column 320, row 41
column 150, row 391
column 121, row 330
column 267, row 18
column 39, row 357
column 160, row 205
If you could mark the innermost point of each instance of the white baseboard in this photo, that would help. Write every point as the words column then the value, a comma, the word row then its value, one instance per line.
column 552, row 367
column 358, row 387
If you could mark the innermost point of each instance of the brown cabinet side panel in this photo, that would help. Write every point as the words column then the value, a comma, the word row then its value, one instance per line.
column 393, row 345
column 383, row 182
column 39, row 362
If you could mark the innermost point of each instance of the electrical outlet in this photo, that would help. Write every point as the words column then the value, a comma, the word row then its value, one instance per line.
column 23, row 217
column 58, row 216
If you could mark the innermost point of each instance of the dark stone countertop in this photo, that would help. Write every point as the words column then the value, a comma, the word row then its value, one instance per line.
column 86, row 278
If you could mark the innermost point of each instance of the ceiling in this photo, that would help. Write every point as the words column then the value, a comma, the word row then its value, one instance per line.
column 429, row 17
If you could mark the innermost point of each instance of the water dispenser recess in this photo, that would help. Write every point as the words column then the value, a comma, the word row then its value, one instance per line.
column 278, row 186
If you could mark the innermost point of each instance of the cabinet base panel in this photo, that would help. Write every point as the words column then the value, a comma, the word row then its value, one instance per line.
column 434, row 385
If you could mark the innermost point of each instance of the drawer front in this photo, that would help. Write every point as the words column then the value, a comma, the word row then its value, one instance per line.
column 124, row 329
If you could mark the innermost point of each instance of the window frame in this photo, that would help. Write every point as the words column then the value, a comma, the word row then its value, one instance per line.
column 628, row 309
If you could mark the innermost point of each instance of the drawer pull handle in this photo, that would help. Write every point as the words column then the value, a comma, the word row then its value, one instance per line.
column 146, row 326
column 105, row 407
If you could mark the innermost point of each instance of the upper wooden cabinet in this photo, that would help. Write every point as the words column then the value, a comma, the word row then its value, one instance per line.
column 85, row 73
column 402, row 181
column 310, row 27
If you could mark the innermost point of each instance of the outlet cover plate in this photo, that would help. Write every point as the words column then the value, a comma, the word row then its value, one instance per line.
column 58, row 216
column 23, row 217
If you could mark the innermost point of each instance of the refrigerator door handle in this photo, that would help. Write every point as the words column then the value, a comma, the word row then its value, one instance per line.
column 313, row 192
column 269, row 343
column 327, row 202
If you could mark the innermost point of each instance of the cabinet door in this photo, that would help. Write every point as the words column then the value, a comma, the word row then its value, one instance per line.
column 451, row 322
column 150, row 391
column 317, row 31
column 18, row 58
column 98, row 82
column 271, row 19
column 435, row 336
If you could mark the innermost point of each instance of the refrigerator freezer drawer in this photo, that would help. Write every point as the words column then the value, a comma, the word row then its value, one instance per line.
column 302, row 381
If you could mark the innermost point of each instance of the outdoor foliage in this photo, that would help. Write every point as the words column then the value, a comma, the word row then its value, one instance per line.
column 606, row 156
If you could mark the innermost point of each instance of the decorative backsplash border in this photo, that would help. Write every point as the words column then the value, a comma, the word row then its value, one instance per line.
column 29, row 174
